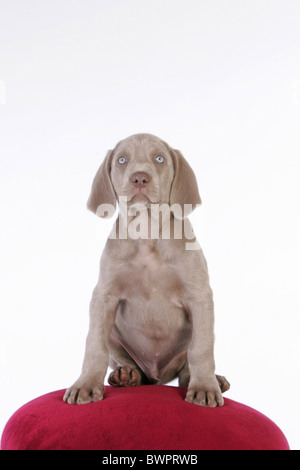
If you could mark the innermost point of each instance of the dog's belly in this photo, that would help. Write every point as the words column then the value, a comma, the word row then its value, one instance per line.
column 151, row 323
column 156, row 347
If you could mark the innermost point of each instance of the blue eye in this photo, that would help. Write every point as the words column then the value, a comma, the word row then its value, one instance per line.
column 159, row 159
column 122, row 160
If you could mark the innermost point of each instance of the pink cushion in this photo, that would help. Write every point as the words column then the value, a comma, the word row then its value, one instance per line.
column 149, row 417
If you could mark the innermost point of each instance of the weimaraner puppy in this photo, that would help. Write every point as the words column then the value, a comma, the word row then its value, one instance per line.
column 152, row 311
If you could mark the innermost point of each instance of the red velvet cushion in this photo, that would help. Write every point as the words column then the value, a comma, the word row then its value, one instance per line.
column 150, row 417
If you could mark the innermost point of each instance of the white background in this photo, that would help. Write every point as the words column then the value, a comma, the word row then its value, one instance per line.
column 220, row 80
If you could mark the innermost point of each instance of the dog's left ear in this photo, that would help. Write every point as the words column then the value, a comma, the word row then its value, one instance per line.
column 184, row 190
column 102, row 200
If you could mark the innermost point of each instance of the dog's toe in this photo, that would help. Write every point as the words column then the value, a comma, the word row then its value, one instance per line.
column 223, row 382
column 125, row 376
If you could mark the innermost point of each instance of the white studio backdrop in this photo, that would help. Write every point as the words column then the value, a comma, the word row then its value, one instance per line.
column 220, row 80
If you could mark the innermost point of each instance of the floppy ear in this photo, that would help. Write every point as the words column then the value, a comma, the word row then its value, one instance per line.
column 184, row 188
column 102, row 191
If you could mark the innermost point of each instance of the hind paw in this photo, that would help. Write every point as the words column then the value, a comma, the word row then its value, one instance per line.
column 125, row 376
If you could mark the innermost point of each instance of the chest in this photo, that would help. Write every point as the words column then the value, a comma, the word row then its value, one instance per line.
column 146, row 274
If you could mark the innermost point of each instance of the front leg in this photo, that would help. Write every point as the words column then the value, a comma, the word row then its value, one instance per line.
column 90, row 385
column 204, row 388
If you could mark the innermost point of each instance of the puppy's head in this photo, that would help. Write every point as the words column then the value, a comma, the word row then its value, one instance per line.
column 143, row 169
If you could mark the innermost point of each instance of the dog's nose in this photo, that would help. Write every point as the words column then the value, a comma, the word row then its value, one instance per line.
column 140, row 179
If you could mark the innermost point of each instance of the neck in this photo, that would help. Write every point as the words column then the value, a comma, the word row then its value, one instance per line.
column 148, row 224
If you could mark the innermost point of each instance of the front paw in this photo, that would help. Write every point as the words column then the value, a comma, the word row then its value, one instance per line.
column 84, row 391
column 205, row 393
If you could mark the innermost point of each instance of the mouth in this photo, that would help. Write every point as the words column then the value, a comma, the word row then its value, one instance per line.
column 131, row 196
column 139, row 199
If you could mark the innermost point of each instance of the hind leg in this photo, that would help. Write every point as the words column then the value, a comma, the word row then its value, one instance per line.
column 184, row 378
column 125, row 376
column 125, row 372
column 223, row 382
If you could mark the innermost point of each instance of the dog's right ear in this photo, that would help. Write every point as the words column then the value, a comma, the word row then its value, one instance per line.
column 102, row 200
